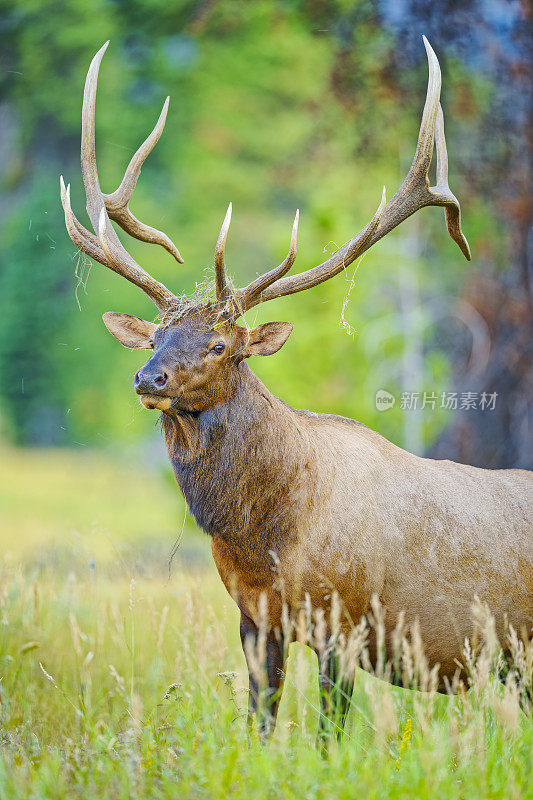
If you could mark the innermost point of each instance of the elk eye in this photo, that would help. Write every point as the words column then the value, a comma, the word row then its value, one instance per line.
column 218, row 348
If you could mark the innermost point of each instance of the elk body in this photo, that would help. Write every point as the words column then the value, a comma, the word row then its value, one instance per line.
column 300, row 506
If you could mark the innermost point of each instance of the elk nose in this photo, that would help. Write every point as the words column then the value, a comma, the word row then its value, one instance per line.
column 145, row 382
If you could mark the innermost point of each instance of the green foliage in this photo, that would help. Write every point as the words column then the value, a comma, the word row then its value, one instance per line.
column 34, row 288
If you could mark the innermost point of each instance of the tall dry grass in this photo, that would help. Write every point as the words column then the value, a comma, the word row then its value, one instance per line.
column 137, row 688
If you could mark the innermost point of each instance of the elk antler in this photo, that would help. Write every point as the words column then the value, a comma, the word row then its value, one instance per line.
column 414, row 193
column 106, row 247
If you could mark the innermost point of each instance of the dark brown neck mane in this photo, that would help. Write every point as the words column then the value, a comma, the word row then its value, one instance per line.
column 241, row 465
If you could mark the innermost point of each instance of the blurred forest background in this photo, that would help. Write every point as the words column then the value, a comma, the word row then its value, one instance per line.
column 275, row 104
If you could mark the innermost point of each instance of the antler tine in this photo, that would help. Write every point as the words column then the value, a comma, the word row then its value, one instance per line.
column 442, row 191
column 222, row 285
column 117, row 202
column 426, row 136
column 251, row 294
column 338, row 261
column 414, row 194
column 82, row 238
column 107, row 248
column 442, row 152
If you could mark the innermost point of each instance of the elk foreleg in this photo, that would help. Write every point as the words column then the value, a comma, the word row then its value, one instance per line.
column 264, row 658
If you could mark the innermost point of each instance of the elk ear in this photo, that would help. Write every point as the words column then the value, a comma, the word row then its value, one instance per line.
column 130, row 331
column 267, row 339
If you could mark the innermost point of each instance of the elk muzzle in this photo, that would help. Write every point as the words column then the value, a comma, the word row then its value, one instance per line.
column 149, row 382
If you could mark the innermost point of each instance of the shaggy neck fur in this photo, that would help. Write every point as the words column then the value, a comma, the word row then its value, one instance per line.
column 236, row 472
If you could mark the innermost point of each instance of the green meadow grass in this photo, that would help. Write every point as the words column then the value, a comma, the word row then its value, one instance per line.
column 118, row 680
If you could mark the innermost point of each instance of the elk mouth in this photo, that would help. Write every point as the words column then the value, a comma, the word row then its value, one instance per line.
column 153, row 401
column 159, row 401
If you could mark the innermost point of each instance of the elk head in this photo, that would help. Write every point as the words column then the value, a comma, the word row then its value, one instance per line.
column 196, row 355
column 197, row 348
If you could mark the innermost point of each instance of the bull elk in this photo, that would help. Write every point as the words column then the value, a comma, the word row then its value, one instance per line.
column 299, row 504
